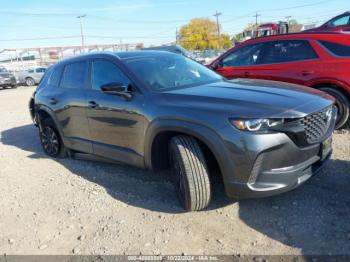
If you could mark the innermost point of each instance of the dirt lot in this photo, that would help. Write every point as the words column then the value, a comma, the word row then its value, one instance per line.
column 73, row 206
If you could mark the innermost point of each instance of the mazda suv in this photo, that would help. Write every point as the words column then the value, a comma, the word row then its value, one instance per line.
column 162, row 111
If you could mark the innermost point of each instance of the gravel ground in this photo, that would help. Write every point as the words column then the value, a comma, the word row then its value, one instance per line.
column 73, row 206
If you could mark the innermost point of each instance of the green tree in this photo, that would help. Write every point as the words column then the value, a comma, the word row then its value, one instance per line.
column 294, row 26
column 201, row 33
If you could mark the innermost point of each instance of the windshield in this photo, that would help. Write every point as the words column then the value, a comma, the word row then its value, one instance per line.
column 167, row 71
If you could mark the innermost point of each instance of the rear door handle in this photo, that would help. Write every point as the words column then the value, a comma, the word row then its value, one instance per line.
column 53, row 101
column 92, row 104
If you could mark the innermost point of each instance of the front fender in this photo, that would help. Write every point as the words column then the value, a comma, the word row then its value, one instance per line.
column 208, row 136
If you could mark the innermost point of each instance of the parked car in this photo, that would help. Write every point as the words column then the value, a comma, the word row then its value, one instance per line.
column 319, row 60
column 177, row 49
column 207, row 56
column 158, row 110
column 7, row 79
column 31, row 76
column 340, row 23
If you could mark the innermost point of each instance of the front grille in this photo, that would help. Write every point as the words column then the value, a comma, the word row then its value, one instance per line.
column 317, row 124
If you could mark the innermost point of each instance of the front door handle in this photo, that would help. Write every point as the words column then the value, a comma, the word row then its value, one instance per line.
column 53, row 101
column 93, row 104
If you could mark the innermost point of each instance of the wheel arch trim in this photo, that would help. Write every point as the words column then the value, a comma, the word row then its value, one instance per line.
column 330, row 81
column 208, row 136
column 48, row 111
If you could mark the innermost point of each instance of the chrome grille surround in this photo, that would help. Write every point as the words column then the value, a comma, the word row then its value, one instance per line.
column 317, row 124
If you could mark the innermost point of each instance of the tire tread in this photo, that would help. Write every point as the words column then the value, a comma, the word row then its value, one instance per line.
column 196, row 171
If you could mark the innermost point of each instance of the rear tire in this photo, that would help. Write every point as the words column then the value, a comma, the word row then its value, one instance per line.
column 50, row 139
column 190, row 173
column 342, row 104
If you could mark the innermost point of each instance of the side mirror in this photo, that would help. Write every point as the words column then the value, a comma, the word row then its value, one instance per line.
column 117, row 89
column 216, row 66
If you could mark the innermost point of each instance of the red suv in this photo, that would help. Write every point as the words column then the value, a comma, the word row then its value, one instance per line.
column 318, row 60
column 340, row 23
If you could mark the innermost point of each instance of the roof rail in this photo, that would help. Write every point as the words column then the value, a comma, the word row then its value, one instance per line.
column 301, row 33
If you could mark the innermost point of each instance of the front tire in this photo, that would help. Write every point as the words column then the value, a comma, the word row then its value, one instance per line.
column 30, row 81
column 50, row 139
column 342, row 104
column 190, row 173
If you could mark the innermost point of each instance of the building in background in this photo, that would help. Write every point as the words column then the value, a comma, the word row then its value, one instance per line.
column 19, row 59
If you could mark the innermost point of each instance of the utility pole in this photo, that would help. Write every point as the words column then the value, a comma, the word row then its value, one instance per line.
column 256, row 19
column 217, row 22
column 82, row 31
column 288, row 19
column 176, row 36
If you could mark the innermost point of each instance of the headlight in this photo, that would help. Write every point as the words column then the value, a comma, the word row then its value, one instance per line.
column 256, row 125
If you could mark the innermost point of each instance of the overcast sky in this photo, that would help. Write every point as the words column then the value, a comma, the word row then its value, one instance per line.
column 147, row 21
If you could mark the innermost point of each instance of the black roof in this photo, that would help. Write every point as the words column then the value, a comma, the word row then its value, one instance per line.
column 139, row 53
column 118, row 55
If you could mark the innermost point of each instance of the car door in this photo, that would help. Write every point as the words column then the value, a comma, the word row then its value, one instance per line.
column 39, row 72
column 241, row 62
column 66, row 96
column 293, row 61
column 116, row 123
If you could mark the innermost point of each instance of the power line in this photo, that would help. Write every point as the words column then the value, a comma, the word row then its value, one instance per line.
column 39, row 38
column 296, row 6
column 64, row 15
column 277, row 9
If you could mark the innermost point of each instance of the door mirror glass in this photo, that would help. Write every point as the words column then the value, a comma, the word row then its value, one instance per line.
column 118, row 89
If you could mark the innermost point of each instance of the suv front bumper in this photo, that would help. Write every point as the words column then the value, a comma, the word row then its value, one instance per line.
column 268, row 164
column 276, row 181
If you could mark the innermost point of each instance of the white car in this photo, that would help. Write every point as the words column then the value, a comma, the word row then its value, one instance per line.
column 31, row 76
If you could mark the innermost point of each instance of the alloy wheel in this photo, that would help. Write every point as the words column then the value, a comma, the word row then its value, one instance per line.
column 50, row 141
column 29, row 82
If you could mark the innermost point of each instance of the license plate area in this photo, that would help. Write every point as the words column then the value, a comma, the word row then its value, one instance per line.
column 326, row 148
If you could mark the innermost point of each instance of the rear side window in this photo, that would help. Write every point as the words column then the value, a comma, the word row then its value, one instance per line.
column 55, row 77
column 287, row 51
column 74, row 75
column 40, row 70
column 336, row 49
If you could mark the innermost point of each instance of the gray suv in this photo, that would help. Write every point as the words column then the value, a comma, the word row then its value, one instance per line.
column 163, row 111
column 7, row 79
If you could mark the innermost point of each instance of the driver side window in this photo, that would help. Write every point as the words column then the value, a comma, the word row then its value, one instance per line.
column 105, row 72
column 244, row 56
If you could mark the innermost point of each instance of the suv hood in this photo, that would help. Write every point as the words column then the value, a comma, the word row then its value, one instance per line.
column 252, row 98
